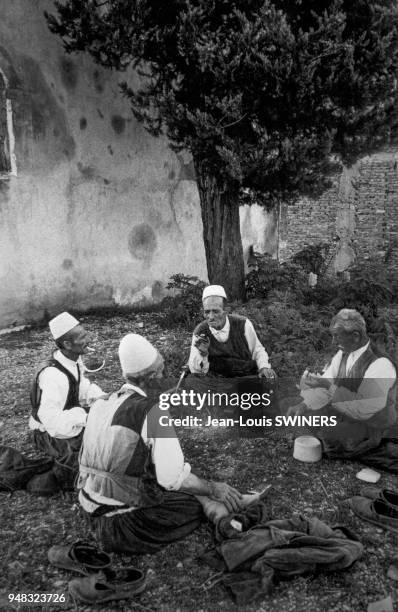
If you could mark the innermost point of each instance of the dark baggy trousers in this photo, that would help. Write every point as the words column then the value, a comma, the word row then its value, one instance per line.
column 65, row 453
column 147, row 530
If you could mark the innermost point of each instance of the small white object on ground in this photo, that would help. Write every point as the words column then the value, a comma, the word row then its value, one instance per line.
column 236, row 525
column 368, row 475
column 307, row 449
column 383, row 605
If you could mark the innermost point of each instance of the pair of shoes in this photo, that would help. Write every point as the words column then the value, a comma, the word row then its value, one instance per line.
column 81, row 557
column 376, row 511
column 100, row 583
column 108, row 585
column 387, row 495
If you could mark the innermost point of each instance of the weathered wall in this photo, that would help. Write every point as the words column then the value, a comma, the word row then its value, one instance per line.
column 361, row 209
column 99, row 212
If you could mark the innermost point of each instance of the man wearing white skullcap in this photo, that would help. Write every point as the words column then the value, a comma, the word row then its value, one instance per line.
column 226, row 345
column 60, row 397
column 134, row 482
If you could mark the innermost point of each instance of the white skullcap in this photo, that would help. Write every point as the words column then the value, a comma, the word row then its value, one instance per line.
column 214, row 290
column 137, row 355
column 61, row 324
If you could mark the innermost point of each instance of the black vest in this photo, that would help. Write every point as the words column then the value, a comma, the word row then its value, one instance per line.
column 233, row 357
column 351, row 381
column 72, row 399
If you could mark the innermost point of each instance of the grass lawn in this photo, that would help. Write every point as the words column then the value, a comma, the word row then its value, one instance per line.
column 30, row 525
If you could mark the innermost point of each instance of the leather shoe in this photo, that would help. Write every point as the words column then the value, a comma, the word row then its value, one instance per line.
column 80, row 557
column 375, row 511
column 387, row 495
column 108, row 585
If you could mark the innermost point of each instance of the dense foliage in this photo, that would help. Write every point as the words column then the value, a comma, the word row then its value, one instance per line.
column 184, row 308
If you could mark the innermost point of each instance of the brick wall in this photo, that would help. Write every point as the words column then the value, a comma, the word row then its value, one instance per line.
column 361, row 208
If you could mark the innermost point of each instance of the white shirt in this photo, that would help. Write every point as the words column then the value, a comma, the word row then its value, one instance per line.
column 54, row 385
column 371, row 395
column 167, row 457
column 200, row 365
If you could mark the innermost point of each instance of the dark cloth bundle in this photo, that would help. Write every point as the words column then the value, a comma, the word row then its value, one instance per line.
column 270, row 550
column 16, row 470
column 383, row 457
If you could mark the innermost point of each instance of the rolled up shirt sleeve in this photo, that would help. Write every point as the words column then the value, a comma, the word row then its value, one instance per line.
column 197, row 363
column 59, row 423
column 259, row 354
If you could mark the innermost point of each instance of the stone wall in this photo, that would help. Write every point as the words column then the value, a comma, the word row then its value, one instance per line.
column 360, row 211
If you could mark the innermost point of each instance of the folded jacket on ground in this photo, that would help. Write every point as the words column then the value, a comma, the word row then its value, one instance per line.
column 276, row 549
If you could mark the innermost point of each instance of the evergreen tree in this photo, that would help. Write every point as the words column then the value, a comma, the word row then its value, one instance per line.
column 266, row 95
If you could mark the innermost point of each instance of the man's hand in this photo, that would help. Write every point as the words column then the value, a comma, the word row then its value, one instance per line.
column 202, row 343
column 297, row 410
column 230, row 497
column 266, row 373
column 312, row 381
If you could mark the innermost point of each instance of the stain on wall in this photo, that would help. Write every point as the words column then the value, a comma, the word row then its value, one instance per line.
column 37, row 109
column 118, row 124
column 88, row 172
column 99, row 87
column 142, row 241
column 69, row 73
column 67, row 264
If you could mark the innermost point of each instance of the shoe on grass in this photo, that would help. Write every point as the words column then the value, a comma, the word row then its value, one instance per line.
column 80, row 557
column 375, row 511
column 108, row 585
column 43, row 485
column 387, row 495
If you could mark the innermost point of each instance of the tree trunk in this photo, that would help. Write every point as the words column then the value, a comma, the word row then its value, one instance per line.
column 219, row 204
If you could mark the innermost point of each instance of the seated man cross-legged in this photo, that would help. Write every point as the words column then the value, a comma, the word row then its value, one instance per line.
column 226, row 345
column 134, row 484
column 358, row 388
column 60, row 397
column 226, row 355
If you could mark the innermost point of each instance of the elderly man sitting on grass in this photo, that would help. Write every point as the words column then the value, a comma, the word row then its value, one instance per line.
column 226, row 345
column 358, row 386
column 134, row 482
column 226, row 355
column 60, row 398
